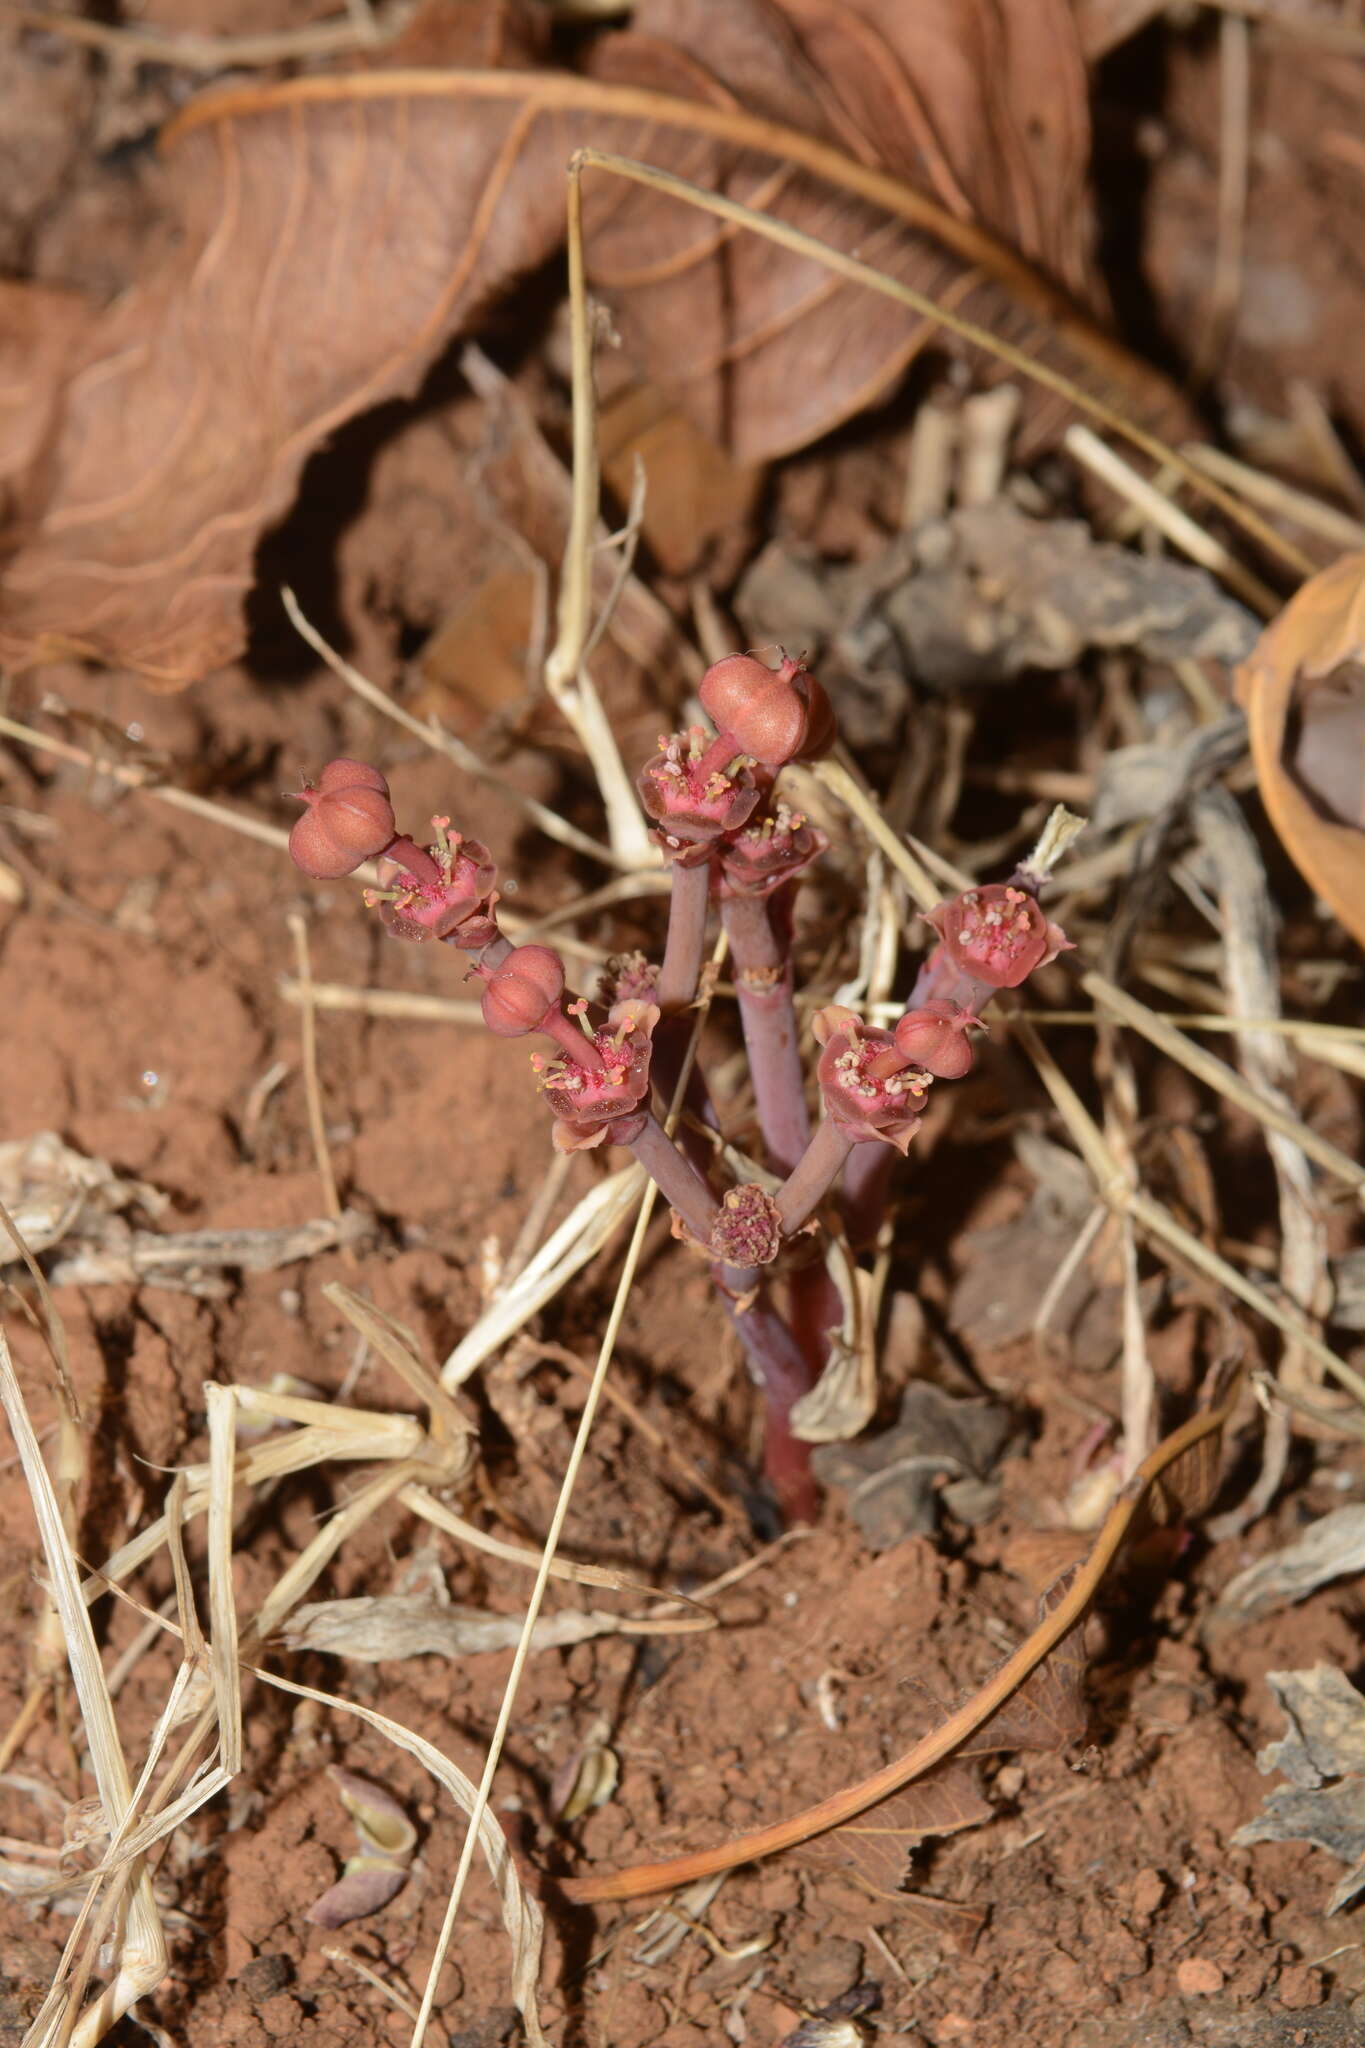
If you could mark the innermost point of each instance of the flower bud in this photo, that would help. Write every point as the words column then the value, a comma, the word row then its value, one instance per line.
column 348, row 820
column 935, row 1037
column 775, row 715
column 518, row 994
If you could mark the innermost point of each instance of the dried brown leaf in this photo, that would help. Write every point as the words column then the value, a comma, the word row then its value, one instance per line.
column 373, row 1627
column 877, row 1845
column 1303, row 689
column 335, row 232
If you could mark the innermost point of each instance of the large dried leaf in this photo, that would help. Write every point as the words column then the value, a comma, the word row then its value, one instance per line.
column 1303, row 688
column 334, row 233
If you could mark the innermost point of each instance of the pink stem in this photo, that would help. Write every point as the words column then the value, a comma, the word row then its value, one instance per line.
column 768, row 1018
column 678, row 1180
column 687, row 908
column 781, row 1367
column 813, row 1175
column 867, row 1181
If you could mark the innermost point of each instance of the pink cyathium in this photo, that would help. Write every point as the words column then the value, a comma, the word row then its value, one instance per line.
column 775, row 846
column 997, row 933
column 596, row 1091
column 443, row 893
column 697, row 791
column 870, row 1089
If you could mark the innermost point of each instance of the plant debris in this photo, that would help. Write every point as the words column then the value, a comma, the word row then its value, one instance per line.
column 1323, row 1757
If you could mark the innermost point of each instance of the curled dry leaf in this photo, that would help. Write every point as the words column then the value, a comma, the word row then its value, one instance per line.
column 877, row 1845
column 380, row 1871
column 373, row 1627
column 585, row 1780
column 1303, row 690
column 380, row 1820
column 335, row 232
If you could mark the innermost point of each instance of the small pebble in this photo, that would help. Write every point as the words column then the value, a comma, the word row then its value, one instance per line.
column 1149, row 1889
column 1198, row 1977
column 1299, row 1987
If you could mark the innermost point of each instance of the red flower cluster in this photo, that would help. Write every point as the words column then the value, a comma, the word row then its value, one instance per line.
column 444, row 891
column 703, row 793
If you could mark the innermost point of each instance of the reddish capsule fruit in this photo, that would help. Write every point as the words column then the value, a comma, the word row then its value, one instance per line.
column 775, row 715
column 935, row 1037
column 345, row 774
column 348, row 820
column 522, row 990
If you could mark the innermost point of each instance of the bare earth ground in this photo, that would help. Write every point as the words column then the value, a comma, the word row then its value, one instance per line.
column 141, row 1006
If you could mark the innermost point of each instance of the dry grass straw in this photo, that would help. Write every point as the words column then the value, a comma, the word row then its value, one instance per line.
column 1157, row 510
column 312, row 1089
column 138, row 1939
column 414, row 1457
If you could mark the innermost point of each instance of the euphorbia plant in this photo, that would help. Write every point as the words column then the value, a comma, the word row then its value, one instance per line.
column 733, row 843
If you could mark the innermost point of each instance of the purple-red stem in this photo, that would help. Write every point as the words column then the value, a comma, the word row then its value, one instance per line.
column 762, row 959
column 768, row 1017
column 688, row 903
column 813, row 1175
column 677, row 1179
column 781, row 1366
column 867, row 1183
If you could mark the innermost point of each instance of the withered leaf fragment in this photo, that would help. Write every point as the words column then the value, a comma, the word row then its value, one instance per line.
column 1323, row 1757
